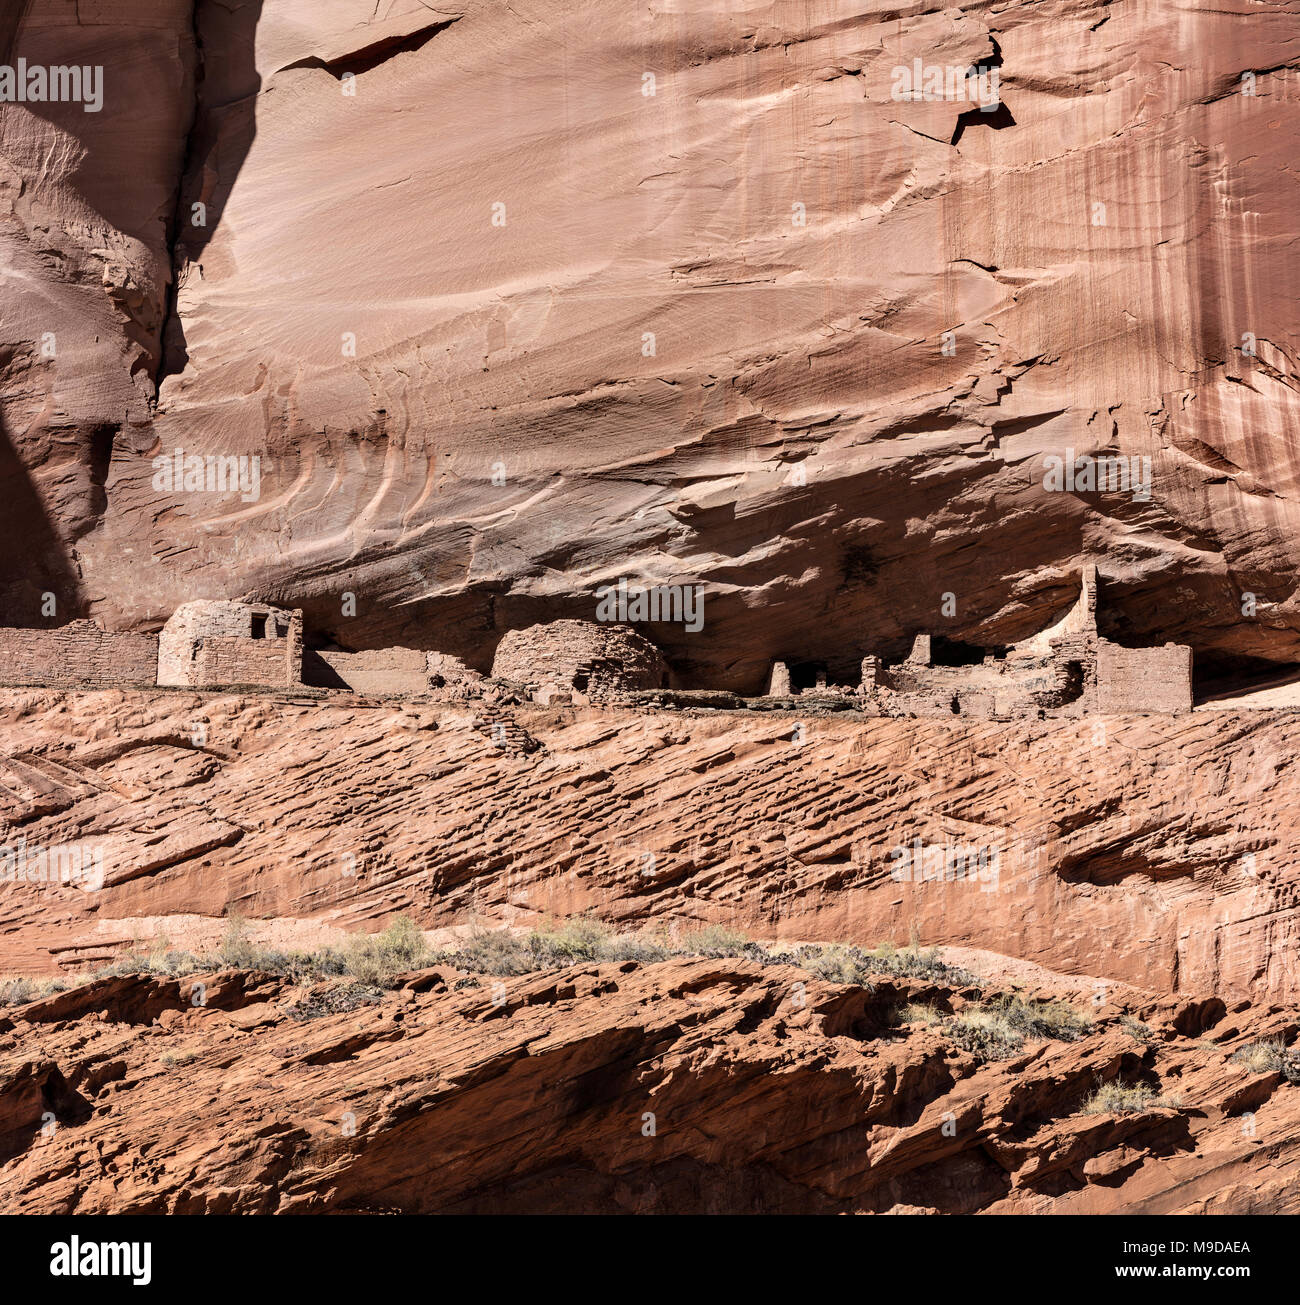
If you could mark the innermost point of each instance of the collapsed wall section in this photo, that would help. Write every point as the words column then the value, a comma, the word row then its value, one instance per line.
column 378, row 671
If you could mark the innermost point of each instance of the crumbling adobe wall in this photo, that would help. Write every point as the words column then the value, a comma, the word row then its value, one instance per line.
column 1144, row 679
column 230, row 660
column 200, row 645
column 594, row 660
column 79, row 653
column 377, row 670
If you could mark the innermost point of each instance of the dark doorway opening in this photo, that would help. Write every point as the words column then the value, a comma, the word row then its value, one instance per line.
column 952, row 652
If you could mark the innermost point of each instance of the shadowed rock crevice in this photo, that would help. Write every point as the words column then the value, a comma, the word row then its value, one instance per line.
column 367, row 57
column 220, row 135
column 34, row 559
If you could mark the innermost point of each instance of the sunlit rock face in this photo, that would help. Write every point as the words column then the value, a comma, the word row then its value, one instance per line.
column 511, row 303
column 1153, row 850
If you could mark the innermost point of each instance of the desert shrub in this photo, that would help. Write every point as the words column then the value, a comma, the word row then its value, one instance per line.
column 643, row 947
column 240, row 952
column 834, row 964
column 379, row 958
column 404, row 942
column 582, row 939
column 919, row 1013
column 714, row 941
column 1118, row 1098
column 839, row 963
column 493, row 951
column 1135, row 1028
column 985, row 1032
column 1269, row 1056
column 128, row 963
column 170, row 962
column 1044, row 1019
column 17, row 992
column 1000, row 1028
column 304, row 967
column 917, row 963
column 237, row 949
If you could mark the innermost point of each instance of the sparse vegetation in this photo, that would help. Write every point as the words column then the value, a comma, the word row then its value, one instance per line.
column 1269, row 1056
column 17, row 992
column 171, row 1059
column 237, row 948
column 1044, row 1019
column 1137, row 1030
column 378, row 959
column 837, row 963
column 919, row 1013
column 985, row 1033
column 357, row 973
column 998, row 1029
column 1118, row 1098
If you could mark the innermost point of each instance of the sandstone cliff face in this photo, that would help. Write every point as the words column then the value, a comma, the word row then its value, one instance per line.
column 499, row 305
column 1153, row 850
column 699, row 1086
column 701, row 341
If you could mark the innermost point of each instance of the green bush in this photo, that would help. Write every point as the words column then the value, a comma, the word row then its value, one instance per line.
column 379, row 958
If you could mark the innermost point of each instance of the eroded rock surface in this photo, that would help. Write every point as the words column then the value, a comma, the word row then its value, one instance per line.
column 1156, row 850
column 718, row 1086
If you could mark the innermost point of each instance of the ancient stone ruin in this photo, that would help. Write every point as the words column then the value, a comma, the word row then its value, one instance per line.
column 388, row 672
column 1067, row 670
column 208, row 644
column 579, row 661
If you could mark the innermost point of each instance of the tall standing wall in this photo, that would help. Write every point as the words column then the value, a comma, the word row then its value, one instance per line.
column 1144, row 679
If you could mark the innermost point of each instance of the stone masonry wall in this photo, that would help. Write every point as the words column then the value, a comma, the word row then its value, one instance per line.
column 228, row 660
column 1144, row 679
column 274, row 656
column 79, row 653
column 379, row 670
column 595, row 660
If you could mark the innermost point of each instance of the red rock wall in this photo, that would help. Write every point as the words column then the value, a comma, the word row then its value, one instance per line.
column 1157, row 850
column 780, row 346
